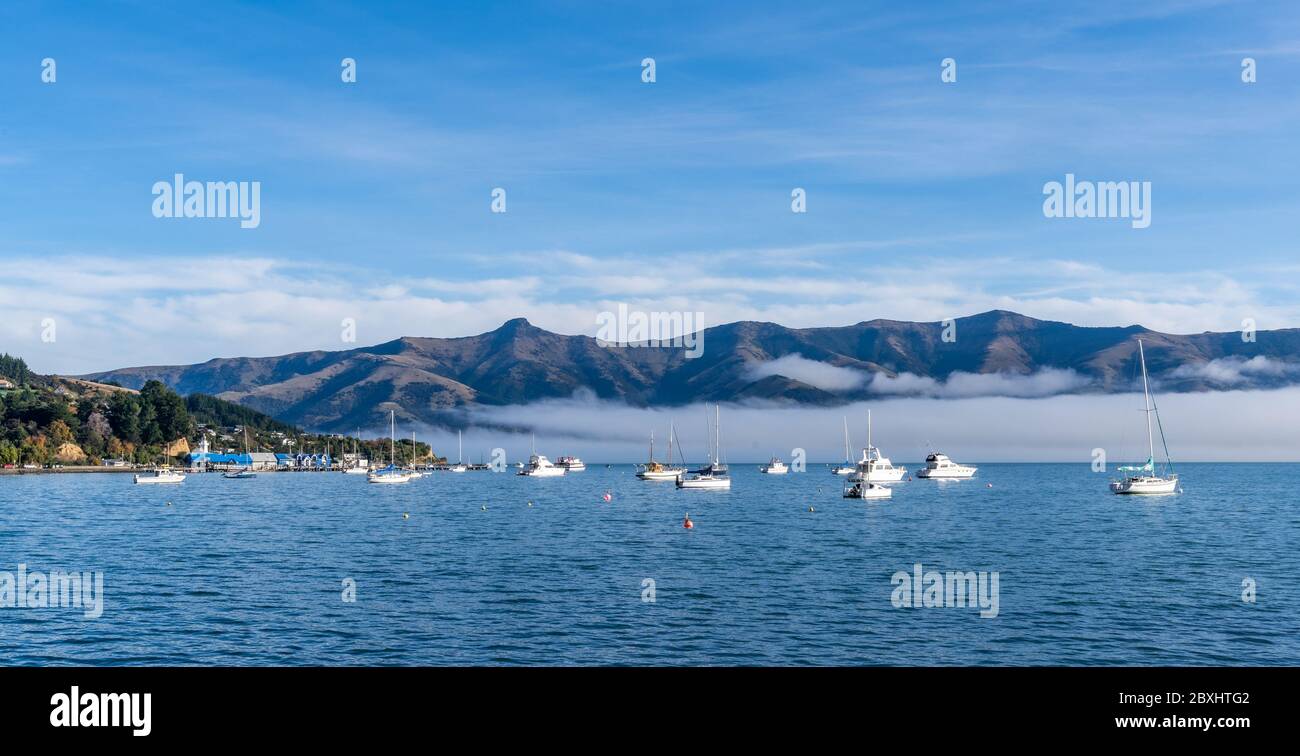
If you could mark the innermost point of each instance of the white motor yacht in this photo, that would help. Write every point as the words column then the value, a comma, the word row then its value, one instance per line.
column 875, row 467
column 939, row 467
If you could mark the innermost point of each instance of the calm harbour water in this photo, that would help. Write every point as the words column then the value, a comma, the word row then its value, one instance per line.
column 249, row 572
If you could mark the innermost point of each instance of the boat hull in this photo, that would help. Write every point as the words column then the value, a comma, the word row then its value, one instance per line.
column 879, row 476
column 868, row 492
column 543, row 472
column 659, row 474
column 1149, row 486
column 389, row 480
column 947, row 474
column 157, row 480
column 704, row 483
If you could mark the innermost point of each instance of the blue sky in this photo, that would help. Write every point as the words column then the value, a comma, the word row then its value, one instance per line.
column 924, row 198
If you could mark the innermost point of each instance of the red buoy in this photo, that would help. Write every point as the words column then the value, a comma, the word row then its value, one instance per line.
column 687, row 522
column 608, row 496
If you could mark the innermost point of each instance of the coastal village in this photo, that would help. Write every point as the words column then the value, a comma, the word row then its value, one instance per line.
column 59, row 424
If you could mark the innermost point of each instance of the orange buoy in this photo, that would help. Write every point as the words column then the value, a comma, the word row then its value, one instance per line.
column 686, row 523
column 608, row 496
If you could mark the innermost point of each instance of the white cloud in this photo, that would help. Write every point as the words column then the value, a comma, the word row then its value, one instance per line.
column 1249, row 426
column 818, row 374
column 1235, row 370
column 1045, row 382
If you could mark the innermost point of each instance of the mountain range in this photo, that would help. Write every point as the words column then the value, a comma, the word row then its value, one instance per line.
column 435, row 380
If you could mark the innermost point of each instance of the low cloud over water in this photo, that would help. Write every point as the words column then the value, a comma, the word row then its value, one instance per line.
column 1225, row 426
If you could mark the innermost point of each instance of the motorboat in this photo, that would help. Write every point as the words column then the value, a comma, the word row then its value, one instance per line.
column 874, row 467
column 940, row 467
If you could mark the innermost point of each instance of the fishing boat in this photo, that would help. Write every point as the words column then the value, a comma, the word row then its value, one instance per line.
column 572, row 464
column 159, row 475
column 861, row 490
column 875, row 467
column 940, row 467
column 774, row 467
column 1142, row 479
column 654, row 470
column 848, row 467
column 713, row 475
column 539, row 466
column 460, row 466
column 392, row 474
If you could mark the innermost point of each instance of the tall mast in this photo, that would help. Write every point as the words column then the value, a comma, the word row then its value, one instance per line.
column 460, row 449
column 652, row 445
column 848, row 456
column 1146, row 406
column 717, row 434
column 671, row 432
column 868, row 434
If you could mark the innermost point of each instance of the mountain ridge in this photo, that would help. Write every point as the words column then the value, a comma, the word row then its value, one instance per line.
column 431, row 379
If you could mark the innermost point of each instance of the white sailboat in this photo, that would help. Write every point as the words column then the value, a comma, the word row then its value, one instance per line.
column 1142, row 479
column 653, row 470
column 358, row 466
column 414, row 470
column 242, row 473
column 875, row 467
column 392, row 474
column 847, row 468
column 459, row 467
column 714, row 475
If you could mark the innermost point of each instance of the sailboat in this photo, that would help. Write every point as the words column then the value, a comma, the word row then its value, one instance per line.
column 358, row 466
column 847, row 468
column 653, row 470
column 874, row 467
column 459, row 466
column 242, row 472
column 713, row 475
column 391, row 474
column 414, row 470
column 1142, row 479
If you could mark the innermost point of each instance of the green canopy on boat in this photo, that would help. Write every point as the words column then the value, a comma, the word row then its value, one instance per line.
column 1149, row 467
